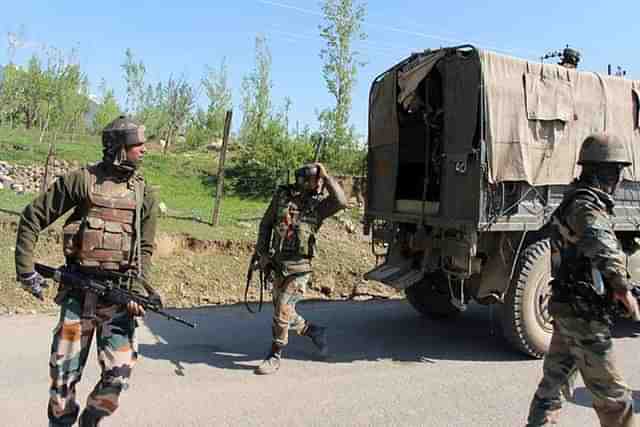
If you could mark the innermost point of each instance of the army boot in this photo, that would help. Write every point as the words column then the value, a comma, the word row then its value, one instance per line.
column 89, row 418
column 271, row 363
column 318, row 335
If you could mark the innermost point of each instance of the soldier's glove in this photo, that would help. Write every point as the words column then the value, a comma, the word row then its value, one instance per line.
column 155, row 299
column 33, row 283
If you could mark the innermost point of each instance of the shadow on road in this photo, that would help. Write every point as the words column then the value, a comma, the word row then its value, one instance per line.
column 231, row 338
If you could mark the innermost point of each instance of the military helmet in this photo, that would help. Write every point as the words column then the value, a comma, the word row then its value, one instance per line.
column 123, row 131
column 603, row 148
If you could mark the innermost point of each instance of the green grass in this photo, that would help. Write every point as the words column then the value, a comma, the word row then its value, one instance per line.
column 185, row 183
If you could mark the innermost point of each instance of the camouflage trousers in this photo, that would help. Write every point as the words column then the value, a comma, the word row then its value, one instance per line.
column 587, row 346
column 117, row 353
column 287, row 292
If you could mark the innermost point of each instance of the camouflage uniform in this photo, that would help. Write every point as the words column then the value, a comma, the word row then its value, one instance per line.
column 582, row 232
column 288, row 235
column 109, row 205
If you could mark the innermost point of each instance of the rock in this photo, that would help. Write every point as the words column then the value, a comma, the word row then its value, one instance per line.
column 350, row 228
column 163, row 209
column 362, row 297
column 326, row 290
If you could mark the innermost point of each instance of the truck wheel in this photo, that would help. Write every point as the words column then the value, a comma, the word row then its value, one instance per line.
column 526, row 322
column 430, row 297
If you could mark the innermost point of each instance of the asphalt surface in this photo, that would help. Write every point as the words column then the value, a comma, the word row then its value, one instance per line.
column 389, row 367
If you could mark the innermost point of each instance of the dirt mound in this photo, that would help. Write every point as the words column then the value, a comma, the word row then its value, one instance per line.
column 191, row 272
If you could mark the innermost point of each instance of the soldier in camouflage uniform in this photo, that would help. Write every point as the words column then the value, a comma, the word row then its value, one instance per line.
column 287, row 242
column 589, row 272
column 111, row 228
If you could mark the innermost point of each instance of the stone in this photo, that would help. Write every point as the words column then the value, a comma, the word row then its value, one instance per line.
column 163, row 208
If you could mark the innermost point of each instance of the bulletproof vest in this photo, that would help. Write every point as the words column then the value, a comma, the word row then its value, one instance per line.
column 296, row 224
column 568, row 265
column 104, row 235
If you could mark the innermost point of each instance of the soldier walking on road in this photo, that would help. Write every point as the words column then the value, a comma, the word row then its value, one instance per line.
column 589, row 271
column 287, row 242
column 111, row 230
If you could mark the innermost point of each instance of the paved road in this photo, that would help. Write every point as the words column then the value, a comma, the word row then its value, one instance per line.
column 389, row 368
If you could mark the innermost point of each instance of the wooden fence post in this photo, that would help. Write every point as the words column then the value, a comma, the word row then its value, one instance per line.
column 220, row 184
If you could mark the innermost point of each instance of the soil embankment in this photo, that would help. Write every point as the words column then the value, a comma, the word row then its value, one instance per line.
column 189, row 272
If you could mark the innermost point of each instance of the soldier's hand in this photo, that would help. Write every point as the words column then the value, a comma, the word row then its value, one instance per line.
column 629, row 301
column 135, row 309
column 33, row 283
column 322, row 171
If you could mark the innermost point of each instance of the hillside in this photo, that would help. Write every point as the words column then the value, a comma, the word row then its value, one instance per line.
column 194, row 264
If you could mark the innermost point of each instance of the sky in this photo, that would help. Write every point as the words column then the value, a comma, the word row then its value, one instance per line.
column 182, row 38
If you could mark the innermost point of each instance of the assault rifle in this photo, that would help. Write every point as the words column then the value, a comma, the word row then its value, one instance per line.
column 107, row 290
column 266, row 277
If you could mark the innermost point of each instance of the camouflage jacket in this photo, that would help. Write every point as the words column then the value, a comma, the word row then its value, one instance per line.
column 71, row 192
column 289, row 226
column 583, row 237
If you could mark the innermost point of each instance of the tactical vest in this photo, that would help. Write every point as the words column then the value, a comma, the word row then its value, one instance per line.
column 296, row 225
column 567, row 263
column 573, row 293
column 104, row 236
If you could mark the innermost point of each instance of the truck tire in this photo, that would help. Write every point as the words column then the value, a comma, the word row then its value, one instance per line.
column 526, row 322
column 430, row 297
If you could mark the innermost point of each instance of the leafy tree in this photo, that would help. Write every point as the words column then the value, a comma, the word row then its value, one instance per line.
column 108, row 109
column 218, row 92
column 134, row 73
column 256, row 96
column 178, row 102
column 342, row 26
column 164, row 109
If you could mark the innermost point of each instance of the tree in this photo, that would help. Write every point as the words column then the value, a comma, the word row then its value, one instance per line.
column 342, row 26
column 256, row 95
column 134, row 73
column 108, row 109
column 179, row 98
column 164, row 109
column 218, row 92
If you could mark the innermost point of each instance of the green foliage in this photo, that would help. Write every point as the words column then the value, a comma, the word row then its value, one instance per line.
column 164, row 109
column 107, row 111
column 51, row 94
column 256, row 97
column 342, row 26
column 218, row 92
column 262, row 165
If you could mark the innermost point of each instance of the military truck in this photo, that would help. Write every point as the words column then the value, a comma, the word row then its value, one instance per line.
column 469, row 152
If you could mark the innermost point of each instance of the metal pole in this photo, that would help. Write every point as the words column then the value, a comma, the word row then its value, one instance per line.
column 223, row 154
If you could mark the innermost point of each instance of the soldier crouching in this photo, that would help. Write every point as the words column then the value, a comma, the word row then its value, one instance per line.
column 589, row 271
column 287, row 242
column 111, row 230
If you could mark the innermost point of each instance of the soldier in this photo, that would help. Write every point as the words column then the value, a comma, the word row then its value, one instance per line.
column 589, row 271
column 287, row 242
column 111, row 229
